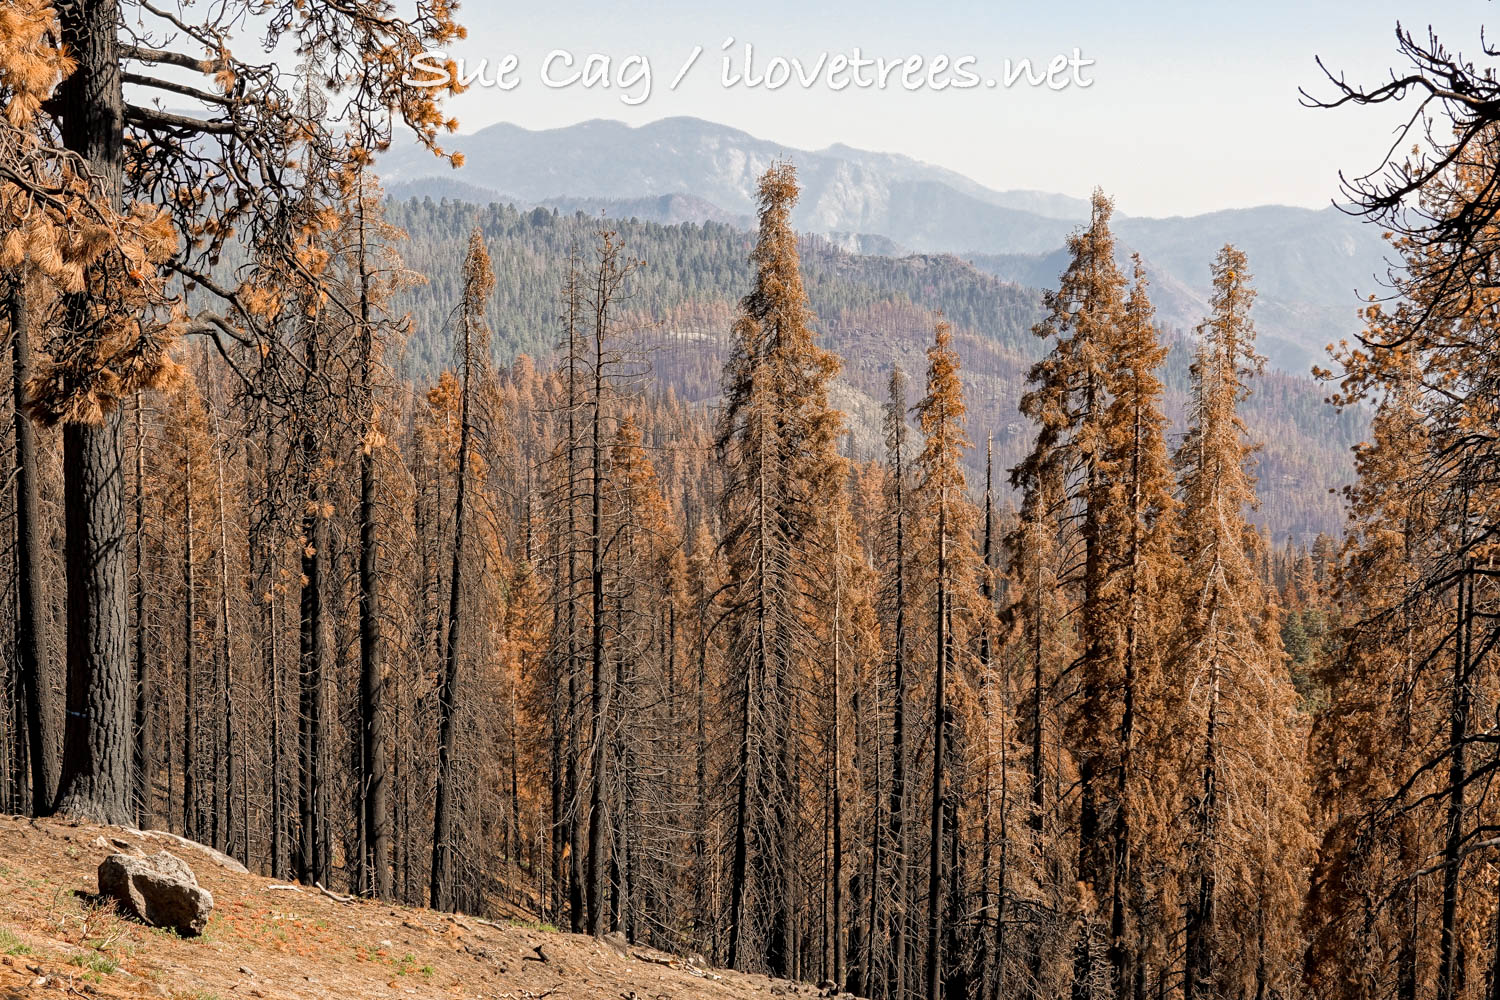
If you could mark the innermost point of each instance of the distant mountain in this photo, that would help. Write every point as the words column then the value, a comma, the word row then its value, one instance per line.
column 843, row 188
column 1308, row 264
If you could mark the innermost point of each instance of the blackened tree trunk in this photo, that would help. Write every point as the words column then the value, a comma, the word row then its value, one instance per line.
column 1036, row 766
column 224, row 819
column 598, row 782
column 264, row 555
column 1449, row 973
column 95, row 781
column 190, row 793
column 441, row 886
column 984, row 962
column 377, row 824
column 837, row 817
column 145, row 816
column 943, row 648
column 707, row 938
column 315, row 655
column 33, row 659
column 573, row 832
column 1198, row 977
column 375, row 796
column 957, row 938
column 1123, row 957
column 97, row 740
column 898, row 916
column 478, row 281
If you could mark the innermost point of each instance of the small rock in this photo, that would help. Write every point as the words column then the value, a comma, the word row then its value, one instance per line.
column 161, row 890
column 245, row 970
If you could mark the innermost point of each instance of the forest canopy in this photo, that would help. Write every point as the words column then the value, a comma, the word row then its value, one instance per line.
column 858, row 620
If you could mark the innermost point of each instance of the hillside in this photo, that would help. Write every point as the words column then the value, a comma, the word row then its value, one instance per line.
column 873, row 311
column 1311, row 266
column 267, row 940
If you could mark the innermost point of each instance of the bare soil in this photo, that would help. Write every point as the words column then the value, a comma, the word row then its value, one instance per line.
column 57, row 939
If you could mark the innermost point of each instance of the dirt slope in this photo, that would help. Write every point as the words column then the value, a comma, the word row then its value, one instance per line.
column 57, row 940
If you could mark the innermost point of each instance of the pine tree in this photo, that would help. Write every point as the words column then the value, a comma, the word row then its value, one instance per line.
column 947, row 544
column 1137, row 523
column 776, row 441
column 1243, row 755
column 1066, row 484
column 375, row 847
column 1363, row 900
column 606, row 287
column 895, row 600
column 478, row 282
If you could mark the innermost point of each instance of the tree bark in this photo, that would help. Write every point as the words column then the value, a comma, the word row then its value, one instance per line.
column 95, row 781
column 939, row 759
column 572, row 777
column 1448, row 972
column 97, row 743
column 226, row 706
column 375, row 795
column 144, row 792
column 441, row 883
column 898, row 917
column 597, row 785
column 33, row 655
column 271, row 658
column 838, row 758
column 190, row 793
column 314, row 656
column 1199, row 974
column 223, row 700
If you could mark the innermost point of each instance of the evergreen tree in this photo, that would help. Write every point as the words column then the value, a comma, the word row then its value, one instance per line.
column 946, row 542
column 479, row 281
column 1066, row 471
column 776, row 439
column 1137, row 523
column 1241, row 733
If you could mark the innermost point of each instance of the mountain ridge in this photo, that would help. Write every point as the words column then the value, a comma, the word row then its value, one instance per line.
column 1311, row 265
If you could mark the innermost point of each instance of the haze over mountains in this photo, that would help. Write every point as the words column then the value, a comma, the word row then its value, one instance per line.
column 1311, row 267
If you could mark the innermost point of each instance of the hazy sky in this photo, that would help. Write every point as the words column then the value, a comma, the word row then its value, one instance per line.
column 1193, row 105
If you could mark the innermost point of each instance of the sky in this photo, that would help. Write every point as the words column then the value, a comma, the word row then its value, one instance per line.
column 1193, row 106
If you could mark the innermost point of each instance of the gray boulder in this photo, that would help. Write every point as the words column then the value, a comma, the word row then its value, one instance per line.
column 161, row 890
